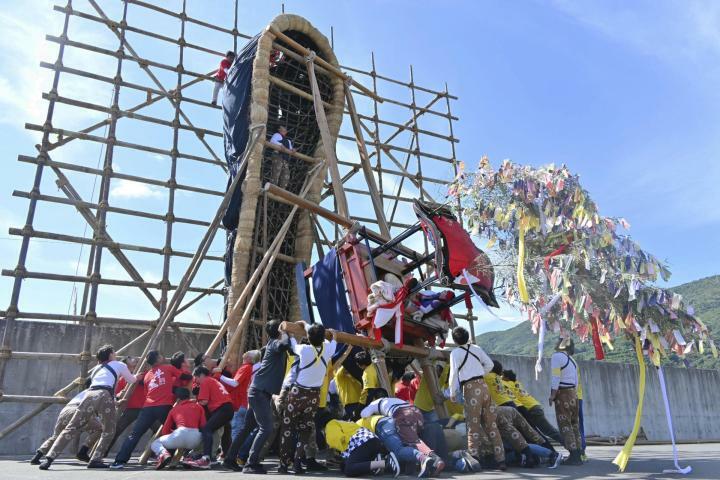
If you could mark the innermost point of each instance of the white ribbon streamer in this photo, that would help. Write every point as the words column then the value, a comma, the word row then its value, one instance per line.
column 541, row 334
column 482, row 302
column 663, row 388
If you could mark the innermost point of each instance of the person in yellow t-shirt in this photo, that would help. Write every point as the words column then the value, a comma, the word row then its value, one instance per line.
column 529, row 407
column 371, row 387
column 424, row 400
column 361, row 450
column 498, row 393
column 349, row 390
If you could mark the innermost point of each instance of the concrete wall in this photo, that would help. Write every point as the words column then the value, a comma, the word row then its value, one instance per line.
column 610, row 389
column 611, row 393
column 42, row 377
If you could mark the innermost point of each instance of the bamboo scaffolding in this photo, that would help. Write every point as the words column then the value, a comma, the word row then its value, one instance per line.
column 94, row 210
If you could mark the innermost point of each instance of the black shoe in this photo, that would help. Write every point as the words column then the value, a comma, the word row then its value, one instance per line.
column 573, row 459
column 298, row 468
column 230, row 465
column 36, row 459
column 256, row 469
column 283, row 469
column 98, row 464
column 47, row 461
column 313, row 465
column 82, row 454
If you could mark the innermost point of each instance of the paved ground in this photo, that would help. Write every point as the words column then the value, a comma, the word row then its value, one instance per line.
column 648, row 462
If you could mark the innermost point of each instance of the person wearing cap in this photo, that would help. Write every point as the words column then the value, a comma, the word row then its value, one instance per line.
column 529, row 407
column 468, row 366
column 563, row 395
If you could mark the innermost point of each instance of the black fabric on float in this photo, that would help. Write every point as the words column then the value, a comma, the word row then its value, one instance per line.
column 236, row 123
column 236, row 131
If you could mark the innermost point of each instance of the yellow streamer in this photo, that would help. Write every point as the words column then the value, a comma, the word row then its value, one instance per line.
column 522, row 287
column 624, row 456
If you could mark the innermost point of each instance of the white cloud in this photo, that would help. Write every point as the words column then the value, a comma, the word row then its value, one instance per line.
column 678, row 33
column 134, row 190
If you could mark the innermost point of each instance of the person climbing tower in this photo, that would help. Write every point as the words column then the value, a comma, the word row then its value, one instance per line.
column 221, row 75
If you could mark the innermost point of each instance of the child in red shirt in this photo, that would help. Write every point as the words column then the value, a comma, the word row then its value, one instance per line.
column 216, row 398
column 221, row 75
column 181, row 428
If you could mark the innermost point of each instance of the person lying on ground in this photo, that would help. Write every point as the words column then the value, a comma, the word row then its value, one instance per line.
column 517, row 434
column 529, row 407
column 361, row 450
column 408, row 423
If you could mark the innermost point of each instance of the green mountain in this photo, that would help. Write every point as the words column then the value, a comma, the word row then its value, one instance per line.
column 703, row 295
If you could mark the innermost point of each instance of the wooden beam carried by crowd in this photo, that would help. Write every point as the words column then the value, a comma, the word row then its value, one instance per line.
column 305, row 52
column 297, row 330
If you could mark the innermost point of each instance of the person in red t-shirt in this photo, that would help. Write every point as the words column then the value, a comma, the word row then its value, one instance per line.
column 134, row 404
column 181, row 428
column 159, row 381
column 185, row 379
column 221, row 75
column 215, row 397
column 239, row 394
column 404, row 389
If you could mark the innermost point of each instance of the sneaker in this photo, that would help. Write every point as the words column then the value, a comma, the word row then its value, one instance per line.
column 45, row 464
column 36, row 459
column 438, row 465
column 117, row 466
column 555, row 459
column 392, row 465
column 573, row 459
column 163, row 460
column 230, row 465
column 501, row 466
column 202, row 463
column 257, row 469
column 97, row 464
column 313, row 465
column 472, row 463
column 426, row 466
column 583, row 457
column 297, row 467
column 283, row 469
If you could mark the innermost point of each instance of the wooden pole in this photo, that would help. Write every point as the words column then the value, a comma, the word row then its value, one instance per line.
column 327, row 140
column 366, row 167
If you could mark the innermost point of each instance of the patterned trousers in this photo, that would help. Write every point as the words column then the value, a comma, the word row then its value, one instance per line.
column 568, row 417
column 480, row 417
column 93, row 428
column 515, row 430
column 97, row 403
column 298, row 418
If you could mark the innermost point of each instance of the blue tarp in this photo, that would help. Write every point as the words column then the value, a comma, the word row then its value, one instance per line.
column 329, row 290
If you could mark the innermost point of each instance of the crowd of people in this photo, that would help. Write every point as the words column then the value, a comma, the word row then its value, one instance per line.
column 304, row 394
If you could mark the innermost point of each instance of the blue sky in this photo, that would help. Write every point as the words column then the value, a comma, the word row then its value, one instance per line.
column 625, row 93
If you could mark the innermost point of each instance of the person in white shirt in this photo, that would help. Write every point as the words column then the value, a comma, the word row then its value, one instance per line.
column 564, row 395
column 92, row 429
column 468, row 365
column 280, row 174
column 303, row 400
column 98, row 401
